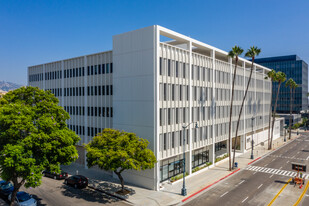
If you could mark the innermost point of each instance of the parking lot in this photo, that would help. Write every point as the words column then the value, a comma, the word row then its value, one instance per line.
column 54, row 192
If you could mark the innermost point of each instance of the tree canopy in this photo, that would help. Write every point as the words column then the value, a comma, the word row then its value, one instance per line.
column 118, row 151
column 33, row 136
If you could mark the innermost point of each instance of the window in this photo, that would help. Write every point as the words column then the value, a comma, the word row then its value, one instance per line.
column 160, row 117
column 184, row 70
column 164, row 141
column 160, row 66
column 103, row 68
column 107, row 90
column 111, row 89
column 111, row 67
column 164, row 92
column 169, row 67
column 173, row 139
column 99, row 69
column 176, row 68
column 107, row 68
column 173, row 92
column 169, row 116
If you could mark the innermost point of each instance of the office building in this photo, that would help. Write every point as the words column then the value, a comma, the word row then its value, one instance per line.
column 153, row 88
column 296, row 69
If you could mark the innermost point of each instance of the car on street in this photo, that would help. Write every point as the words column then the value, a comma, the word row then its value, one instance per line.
column 54, row 175
column 24, row 199
column 77, row 181
column 6, row 188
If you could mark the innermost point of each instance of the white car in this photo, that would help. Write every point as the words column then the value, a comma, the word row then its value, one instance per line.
column 23, row 199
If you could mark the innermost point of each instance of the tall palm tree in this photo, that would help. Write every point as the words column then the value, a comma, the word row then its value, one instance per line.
column 235, row 52
column 272, row 76
column 252, row 53
column 280, row 78
column 292, row 84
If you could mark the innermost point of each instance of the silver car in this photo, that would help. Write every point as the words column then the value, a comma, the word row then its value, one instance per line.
column 23, row 199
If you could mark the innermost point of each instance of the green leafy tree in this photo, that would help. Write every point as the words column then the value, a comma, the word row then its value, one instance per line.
column 292, row 84
column 252, row 53
column 272, row 76
column 280, row 78
column 234, row 53
column 33, row 136
column 117, row 151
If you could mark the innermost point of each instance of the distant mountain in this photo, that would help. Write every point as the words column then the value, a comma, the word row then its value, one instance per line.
column 7, row 86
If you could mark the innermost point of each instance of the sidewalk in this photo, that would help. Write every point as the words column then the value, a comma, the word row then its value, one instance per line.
column 170, row 193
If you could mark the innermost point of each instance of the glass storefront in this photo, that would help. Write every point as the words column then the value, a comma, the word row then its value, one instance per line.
column 170, row 168
column 200, row 157
column 220, row 145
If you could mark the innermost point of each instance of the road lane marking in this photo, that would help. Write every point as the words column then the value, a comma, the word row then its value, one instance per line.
column 271, row 176
column 240, row 182
column 280, row 168
column 224, row 194
column 307, row 158
column 244, row 200
column 260, row 186
column 302, row 195
column 273, row 200
column 255, row 172
column 265, row 165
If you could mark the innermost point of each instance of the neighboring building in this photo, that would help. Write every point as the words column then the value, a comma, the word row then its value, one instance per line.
column 2, row 93
column 296, row 118
column 153, row 88
column 296, row 69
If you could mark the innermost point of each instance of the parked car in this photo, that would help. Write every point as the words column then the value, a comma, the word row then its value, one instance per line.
column 24, row 199
column 77, row 181
column 56, row 176
column 6, row 188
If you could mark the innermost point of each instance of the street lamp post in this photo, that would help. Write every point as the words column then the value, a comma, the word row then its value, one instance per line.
column 252, row 139
column 184, row 190
column 284, row 135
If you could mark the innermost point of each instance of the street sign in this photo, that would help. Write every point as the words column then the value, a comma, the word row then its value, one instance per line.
column 299, row 167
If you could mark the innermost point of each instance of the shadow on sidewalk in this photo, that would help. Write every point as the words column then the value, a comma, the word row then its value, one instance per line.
column 87, row 194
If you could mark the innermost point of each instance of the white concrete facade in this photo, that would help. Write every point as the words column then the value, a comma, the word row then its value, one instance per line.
column 153, row 88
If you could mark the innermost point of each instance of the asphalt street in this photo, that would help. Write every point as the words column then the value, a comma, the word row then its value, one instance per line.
column 55, row 193
column 261, row 181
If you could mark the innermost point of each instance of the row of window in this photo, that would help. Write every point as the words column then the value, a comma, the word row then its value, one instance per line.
column 80, row 130
column 169, row 116
column 74, row 72
column 35, row 77
column 175, row 92
column 100, row 69
column 92, row 111
column 80, row 91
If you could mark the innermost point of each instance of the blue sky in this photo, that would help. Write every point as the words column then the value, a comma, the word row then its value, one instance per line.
column 35, row 32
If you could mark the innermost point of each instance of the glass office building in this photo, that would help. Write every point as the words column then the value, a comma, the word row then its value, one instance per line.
column 296, row 69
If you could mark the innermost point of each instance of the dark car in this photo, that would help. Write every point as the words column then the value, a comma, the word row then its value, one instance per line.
column 6, row 188
column 56, row 176
column 77, row 181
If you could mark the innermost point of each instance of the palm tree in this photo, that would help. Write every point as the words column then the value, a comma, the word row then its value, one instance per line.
column 280, row 78
column 235, row 52
column 292, row 84
column 272, row 76
column 252, row 53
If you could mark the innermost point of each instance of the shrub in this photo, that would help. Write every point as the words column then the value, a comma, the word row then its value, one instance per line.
column 199, row 168
column 221, row 158
column 175, row 178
